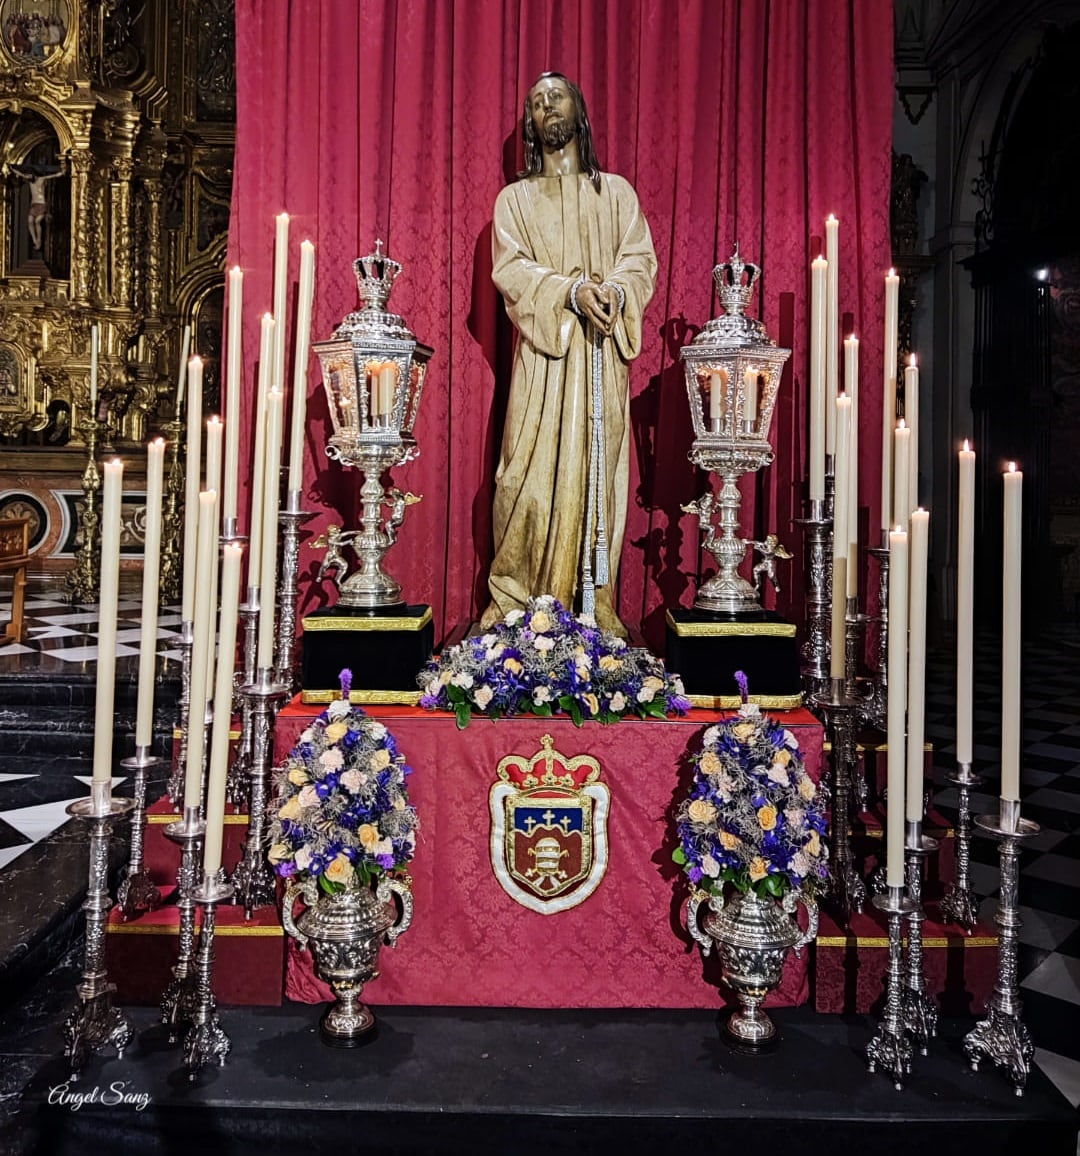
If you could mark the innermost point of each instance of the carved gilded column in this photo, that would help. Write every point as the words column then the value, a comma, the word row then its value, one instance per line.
column 123, row 252
column 154, row 188
column 81, row 163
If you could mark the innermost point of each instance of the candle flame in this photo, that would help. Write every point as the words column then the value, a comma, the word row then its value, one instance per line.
column 831, row 219
column 1012, row 467
column 891, row 273
column 158, row 442
column 912, row 361
column 283, row 216
column 901, row 424
column 237, row 269
column 214, row 418
column 194, row 359
column 967, row 446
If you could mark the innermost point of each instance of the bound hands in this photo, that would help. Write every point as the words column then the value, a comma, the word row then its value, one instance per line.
column 598, row 304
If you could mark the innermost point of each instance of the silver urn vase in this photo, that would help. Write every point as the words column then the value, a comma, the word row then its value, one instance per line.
column 753, row 936
column 345, row 931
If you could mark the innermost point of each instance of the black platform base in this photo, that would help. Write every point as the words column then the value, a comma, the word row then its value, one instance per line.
column 706, row 649
column 384, row 650
column 478, row 1081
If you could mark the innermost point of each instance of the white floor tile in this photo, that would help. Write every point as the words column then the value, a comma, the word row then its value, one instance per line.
column 87, row 653
column 1057, row 975
column 70, row 618
column 1063, row 1073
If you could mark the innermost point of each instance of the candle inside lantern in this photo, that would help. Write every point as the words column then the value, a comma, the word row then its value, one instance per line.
column 965, row 606
column 234, row 385
column 108, row 598
column 388, row 376
column 1010, row 633
column 717, row 381
column 918, row 547
column 888, row 414
column 819, row 270
column 155, row 474
column 897, row 702
column 750, row 396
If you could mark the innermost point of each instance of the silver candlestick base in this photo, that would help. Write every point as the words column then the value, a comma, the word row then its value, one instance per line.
column 253, row 878
column 876, row 708
column 138, row 893
column 841, row 716
column 179, row 999
column 890, row 1048
column 95, row 1023
column 206, row 1040
column 291, row 519
column 817, row 538
column 1002, row 1036
column 176, row 779
column 920, row 1011
column 961, row 904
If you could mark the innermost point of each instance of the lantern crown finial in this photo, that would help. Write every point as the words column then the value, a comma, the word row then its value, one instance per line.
column 375, row 277
column 735, row 280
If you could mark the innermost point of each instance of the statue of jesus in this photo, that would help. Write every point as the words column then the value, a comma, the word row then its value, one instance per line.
column 574, row 262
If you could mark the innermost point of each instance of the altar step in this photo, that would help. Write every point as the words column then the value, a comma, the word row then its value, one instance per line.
column 487, row 1081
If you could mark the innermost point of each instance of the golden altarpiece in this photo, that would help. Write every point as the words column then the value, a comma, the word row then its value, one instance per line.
column 117, row 126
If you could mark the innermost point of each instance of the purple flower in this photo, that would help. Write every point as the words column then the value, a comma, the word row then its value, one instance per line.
column 345, row 678
column 744, row 685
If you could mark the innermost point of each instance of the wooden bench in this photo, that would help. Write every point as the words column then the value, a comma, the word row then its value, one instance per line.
column 14, row 557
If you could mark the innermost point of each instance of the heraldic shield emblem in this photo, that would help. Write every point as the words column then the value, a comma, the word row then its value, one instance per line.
column 549, row 814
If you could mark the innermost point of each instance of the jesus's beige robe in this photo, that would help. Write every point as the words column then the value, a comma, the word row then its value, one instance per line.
column 548, row 232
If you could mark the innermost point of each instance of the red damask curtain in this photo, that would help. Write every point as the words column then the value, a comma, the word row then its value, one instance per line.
column 398, row 119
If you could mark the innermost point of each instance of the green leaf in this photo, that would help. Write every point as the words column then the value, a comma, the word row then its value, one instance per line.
column 575, row 712
column 774, row 884
column 542, row 709
column 678, row 856
column 454, row 693
column 463, row 712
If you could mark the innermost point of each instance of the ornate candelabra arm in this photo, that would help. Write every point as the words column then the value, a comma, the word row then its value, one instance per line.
column 920, row 1011
column 95, row 1023
column 85, row 578
column 890, row 1048
column 841, row 716
column 206, row 1039
column 178, row 999
column 171, row 522
column 253, row 879
column 817, row 536
column 961, row 904
column 1002, row 1037
column 138, row 893
column 291, row 519
column 236, row 788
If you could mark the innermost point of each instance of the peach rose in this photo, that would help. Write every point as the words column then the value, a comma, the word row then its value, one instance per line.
column 710, row 763
column 592, row 702
column 813, row 844
column 806, row 787
column 483, row 695
column 728, row 841
column 743, row 731
column 539, row 623
column 368, row 834
column 513, row 666
column 298, row 776
column 701, row 811
column 609, row 662
column 340, row 870
column 336, row 731
column 758, row 869
column 766, row 817
column 291, row 810
column 279, row 852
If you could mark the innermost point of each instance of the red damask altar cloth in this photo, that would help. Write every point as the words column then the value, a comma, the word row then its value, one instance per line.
column 471, row 944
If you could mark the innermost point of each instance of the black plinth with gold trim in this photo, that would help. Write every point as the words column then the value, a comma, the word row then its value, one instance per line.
column 706, row 648
column 385, row 650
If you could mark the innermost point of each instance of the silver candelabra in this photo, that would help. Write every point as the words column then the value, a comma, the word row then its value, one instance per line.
column 206, row 1040
column 138, row 892
column 292, row 517
column 891, row 1049
column 960, row 903
column 178, row 999
column 920, row 1011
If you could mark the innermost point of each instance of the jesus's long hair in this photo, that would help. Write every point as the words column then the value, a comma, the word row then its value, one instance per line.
column 534, row 151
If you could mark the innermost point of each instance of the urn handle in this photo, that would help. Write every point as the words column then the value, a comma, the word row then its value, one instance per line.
column 297, row 889
column 790, row 901
column 697, row 898
column 402, row 889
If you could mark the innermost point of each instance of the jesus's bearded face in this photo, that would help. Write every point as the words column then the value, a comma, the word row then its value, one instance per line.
column 553, row 113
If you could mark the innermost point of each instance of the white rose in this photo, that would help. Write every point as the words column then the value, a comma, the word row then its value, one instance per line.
column 487, row 639
column 710, row 736
column 710, row 866
column 303, row 858
column 462, row 679
column 431, row 687
column 484, row 695
column 541, row 695
column 646, row 694
column 544, row 642
column 384, row 847
column 800, row 863
column 339, row 708
column 778, row 774
column 514, row 617
column 618, row 701
column 677, row 684
column 308, row 797
column 617, row 643
column 377, row 731
column 307, row 736
column 790, row 740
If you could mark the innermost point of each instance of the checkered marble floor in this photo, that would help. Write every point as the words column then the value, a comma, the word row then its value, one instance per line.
column 61, row 639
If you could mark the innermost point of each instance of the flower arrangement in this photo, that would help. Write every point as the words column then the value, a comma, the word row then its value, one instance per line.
column 544, row 661
column 343, row 815
column 754, row 816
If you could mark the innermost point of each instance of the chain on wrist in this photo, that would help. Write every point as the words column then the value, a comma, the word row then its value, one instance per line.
column 573, row 295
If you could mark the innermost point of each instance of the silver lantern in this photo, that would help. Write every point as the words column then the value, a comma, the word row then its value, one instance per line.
column 373, row 373
column 733, row 371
